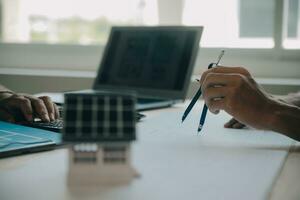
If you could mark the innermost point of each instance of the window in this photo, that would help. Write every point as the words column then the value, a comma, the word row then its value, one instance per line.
column 292, row 25
column 70, row 35
column 114, row 154
column 232, row 23
column 85, row 153
column 69, row 21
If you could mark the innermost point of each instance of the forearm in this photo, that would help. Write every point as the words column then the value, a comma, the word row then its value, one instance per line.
column 293, row 98
column 285, row 119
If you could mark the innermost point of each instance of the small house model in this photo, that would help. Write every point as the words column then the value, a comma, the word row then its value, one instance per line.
column 99, row 128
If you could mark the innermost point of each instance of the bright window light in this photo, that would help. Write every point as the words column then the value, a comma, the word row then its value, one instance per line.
column 292, row 25
column 69, row 21
column 232, row 23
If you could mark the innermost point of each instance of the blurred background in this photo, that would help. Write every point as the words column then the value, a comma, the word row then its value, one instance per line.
column 56, row 45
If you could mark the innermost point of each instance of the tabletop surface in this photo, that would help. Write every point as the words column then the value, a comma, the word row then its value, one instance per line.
column 173, row 161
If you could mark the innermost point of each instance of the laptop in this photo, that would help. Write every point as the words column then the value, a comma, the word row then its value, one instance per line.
column 16, row 139
column 155, row 61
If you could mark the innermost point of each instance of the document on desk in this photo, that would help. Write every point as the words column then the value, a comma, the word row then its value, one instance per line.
column 218, row 163
column 16, row 139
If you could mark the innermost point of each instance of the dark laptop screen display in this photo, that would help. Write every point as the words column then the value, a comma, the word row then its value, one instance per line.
column 148, row 58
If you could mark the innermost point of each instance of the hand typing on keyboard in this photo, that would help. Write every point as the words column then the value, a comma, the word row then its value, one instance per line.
column 15, row 107
column 57, row 125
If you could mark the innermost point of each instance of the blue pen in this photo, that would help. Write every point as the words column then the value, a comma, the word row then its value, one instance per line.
column 190, row 106
column 194, row 100
column 204, row 110
column 202, row 118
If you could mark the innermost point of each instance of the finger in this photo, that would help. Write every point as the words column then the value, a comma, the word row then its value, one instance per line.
column 225, row 70
column 40, row 109
column 233, row 123
column 230, row 70
column 217, row 80
column 213, row 94
column 238, row 125
column 20, row 103
column 56, row 111
column 50, row 107
column 230, row 123
column 215, row 111
column 216, row 104
column 6, row 116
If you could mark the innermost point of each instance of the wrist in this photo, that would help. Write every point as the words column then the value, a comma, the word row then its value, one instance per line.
column 283, row 118
column 273, row 109
column 5, row 94
column 291, row 99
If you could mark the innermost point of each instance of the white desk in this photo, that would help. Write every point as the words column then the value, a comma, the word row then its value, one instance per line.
column 174, row 163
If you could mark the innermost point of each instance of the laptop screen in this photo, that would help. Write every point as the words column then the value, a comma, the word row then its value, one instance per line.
column 154, row 61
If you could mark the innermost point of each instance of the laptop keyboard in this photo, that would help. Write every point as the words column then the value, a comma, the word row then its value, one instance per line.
column 55, row 126
column 58, row 124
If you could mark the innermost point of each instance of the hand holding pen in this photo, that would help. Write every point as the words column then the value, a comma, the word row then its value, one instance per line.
column 196, row 97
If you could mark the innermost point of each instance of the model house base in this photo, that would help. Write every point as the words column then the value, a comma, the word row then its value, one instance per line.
column 100, row 163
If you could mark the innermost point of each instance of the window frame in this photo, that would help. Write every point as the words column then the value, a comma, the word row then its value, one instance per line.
column 262, row 62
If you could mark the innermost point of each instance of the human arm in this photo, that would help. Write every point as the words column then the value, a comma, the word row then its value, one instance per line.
column 293, row 99
column 233, row 90
column 17, row 107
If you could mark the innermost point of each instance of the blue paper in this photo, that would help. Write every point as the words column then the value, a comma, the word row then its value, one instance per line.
column 13, row 136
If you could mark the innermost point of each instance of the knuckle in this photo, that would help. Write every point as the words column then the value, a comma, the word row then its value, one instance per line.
column 45, row 98
column 38, row 101
column 243, row 71
column 42, row 111
column 17, row 97
column 24, row 101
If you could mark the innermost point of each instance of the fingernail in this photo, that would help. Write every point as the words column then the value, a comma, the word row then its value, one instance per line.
column 46, row 117
column 52, row 116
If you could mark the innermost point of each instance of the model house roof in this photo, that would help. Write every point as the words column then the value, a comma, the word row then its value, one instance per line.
column 99, row 117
